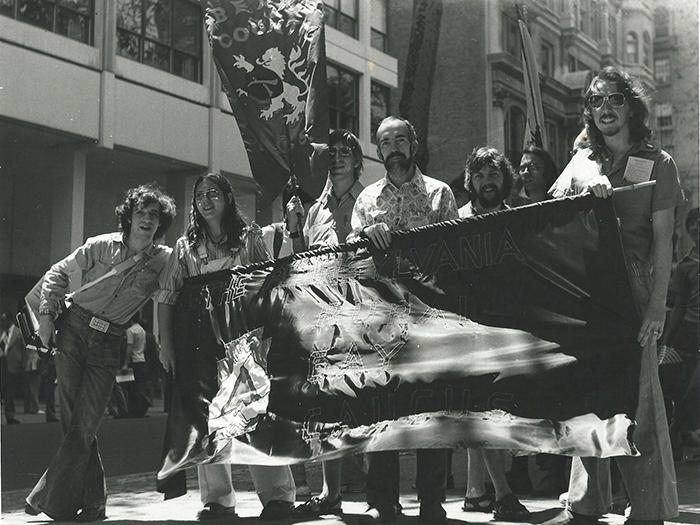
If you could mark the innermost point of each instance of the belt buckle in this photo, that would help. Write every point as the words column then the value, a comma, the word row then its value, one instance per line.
column 99, row 325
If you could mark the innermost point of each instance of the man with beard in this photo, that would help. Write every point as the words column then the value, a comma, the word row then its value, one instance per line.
column 488, row 177
column 616, row 151
column 403, row 199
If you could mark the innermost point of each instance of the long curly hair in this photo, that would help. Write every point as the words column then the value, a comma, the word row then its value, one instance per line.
column 232, row 222
column 143, row 196
column 635, row 96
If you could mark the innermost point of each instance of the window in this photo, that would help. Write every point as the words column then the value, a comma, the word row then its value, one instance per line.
column 342, row 15
column 514, row 134
column 661, row 19
column 378, row 32
column 511, row 35
column 662, row 70
column 547, row 58
column 612, row 34
column 572, row 63
column 646, row 49
column 664, row 116
column 165, row 34
column 379, row 108
column 342, row 98
column 584, row 16
column 71, row 18
column 632, row 49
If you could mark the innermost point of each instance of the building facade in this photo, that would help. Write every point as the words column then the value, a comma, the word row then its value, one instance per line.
column 100, row 95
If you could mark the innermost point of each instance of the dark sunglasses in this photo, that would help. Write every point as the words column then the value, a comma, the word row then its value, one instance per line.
column 616, row 100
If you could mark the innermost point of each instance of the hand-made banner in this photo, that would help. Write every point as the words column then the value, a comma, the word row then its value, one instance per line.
column 512, row 330
column 270, row 56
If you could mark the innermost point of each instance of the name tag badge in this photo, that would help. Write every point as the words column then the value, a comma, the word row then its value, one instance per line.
column 638, row 170
column 99, row 325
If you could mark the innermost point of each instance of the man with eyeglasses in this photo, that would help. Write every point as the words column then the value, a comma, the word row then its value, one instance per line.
column 328, row 223
column 615, row 151
column 404, row 198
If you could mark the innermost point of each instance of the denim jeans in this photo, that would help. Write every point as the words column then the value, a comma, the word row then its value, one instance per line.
column 86, row 364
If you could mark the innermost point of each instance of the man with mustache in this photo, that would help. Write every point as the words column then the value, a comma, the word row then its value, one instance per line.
column 488, row 177
column 403, row 199
column 615, row 151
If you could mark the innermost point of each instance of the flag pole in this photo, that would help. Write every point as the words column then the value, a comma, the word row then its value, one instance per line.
column 636, row 186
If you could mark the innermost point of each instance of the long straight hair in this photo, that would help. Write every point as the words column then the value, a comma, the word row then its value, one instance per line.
column 232, row 222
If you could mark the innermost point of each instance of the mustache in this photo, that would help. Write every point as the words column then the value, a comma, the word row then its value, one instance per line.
column 396, row 154
column 489, row 187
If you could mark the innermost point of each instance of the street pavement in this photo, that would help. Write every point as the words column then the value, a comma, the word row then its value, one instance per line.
column 131, row 447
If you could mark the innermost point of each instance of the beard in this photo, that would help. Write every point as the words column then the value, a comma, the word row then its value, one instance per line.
column 399, row 160
column 491, row 200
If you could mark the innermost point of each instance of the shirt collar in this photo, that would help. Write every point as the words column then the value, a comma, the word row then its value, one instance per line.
column 328, row 196
column 417, row 181
column 120, row 237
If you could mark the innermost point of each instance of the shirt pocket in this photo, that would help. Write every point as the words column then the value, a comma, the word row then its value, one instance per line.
column 145, row 282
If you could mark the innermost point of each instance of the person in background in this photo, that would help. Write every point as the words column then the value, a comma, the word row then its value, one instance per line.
column 12, row 349
column 536, row 174
column 217, row 237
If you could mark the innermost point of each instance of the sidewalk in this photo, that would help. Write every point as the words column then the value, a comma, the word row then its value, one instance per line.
column 132, row 499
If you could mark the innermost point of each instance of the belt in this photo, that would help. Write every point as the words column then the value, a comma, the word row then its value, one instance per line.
column 95, row 322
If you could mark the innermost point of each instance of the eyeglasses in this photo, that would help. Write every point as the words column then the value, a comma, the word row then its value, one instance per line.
column 212, row 195
column 343, row 151
column 616, row 100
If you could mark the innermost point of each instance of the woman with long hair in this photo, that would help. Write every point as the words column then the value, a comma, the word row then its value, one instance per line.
column 217, row 237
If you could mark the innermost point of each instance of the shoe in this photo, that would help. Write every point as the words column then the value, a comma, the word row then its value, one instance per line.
column 91, row 514
column 509, row 508
column 432, row 513
column 276, row 510
column 374, row 515
column 214, row 511
column 13, row 421
column 479, row 504
column 318, row 506
column 28, row 509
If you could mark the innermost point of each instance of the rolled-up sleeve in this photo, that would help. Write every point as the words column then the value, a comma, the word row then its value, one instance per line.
column 172, row 276
column 448, row 205
column 57, row 279
column 667, row 192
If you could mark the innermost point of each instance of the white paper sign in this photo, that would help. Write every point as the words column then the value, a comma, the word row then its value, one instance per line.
column 638, row 169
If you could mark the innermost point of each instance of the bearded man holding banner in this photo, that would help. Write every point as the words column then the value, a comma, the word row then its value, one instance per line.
column 616, row 152
column 403, row 199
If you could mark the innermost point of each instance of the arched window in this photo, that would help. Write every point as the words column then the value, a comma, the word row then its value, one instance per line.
column 661, row 20
column 632, row 48
column 514, row 133
column 646, row 49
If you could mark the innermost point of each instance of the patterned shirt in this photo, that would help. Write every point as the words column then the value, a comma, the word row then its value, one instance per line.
column 115, row 298
column 329, row 218
column 419, row 202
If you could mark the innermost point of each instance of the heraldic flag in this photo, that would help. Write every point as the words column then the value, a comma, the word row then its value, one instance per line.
column 512, row 330
column 271, row 59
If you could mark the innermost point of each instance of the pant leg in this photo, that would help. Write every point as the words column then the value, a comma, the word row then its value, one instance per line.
column 383, row 479
column 216, row 484
column 86, row 365
column 48, row 385
column 273, row 483
column 11, row 382
column 431, row 475
column 31, row 392
column 650, row 479
column 589, row 486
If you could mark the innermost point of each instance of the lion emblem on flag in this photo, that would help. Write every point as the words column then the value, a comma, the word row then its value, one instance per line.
column 275, row 83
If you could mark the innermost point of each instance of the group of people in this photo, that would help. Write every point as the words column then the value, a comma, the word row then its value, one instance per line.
column 128, row 268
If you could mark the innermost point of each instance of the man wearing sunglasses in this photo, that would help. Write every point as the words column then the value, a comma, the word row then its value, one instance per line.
column 615, row 151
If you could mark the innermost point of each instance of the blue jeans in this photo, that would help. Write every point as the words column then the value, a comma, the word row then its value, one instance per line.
column 86, row 365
